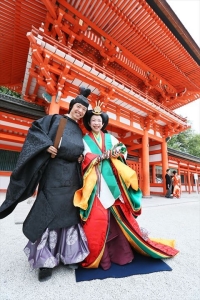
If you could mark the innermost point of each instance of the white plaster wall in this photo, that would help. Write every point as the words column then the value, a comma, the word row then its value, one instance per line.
column 156, row 189
column 173, row 165
column 156, row 147
column 158, row 134
column 32, row 85
column 151, row 131
column 111, row 115
column 136, row 125
column 4, row 181
column 11, row 143
column 124, row 120
column 155, row 157
column 4, row 123
column 67, row 99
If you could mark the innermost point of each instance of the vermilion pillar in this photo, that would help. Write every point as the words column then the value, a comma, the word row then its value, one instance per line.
column 189, row 182
column 164, row 163
column 179, row 173
column 54, row 107
column 145, row 165
column 179, row 170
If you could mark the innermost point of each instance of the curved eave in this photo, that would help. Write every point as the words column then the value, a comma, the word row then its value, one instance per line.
column 20, row 107
column 183, row 155
column 166, row 14
column 142, row 35
column 147, row 31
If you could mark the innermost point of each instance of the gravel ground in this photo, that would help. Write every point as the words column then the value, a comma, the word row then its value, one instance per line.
column 166, row 218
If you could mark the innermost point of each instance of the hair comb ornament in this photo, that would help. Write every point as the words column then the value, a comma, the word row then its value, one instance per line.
column 97, row 108
column 98, row 112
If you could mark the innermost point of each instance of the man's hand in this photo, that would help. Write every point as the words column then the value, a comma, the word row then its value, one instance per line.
column 80, row 159
column 53, row 151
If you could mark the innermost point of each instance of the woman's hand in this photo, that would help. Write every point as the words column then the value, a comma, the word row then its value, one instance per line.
column 115, row 153
column 106, row 155
column 100, row 158
column 53, row 151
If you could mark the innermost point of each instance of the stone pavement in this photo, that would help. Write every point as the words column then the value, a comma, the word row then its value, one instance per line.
column 24, row 207
column 178, row 219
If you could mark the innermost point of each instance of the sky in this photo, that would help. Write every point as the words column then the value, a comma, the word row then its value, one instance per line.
column 188, row 12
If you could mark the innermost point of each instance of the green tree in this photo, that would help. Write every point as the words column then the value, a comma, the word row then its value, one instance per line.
column 7, row 91
column 187, row 142
column 194, row 145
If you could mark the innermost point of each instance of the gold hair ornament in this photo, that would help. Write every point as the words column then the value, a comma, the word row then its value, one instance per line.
column 97, row 108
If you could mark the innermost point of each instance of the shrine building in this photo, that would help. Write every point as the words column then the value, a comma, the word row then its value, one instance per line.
column 135, row 56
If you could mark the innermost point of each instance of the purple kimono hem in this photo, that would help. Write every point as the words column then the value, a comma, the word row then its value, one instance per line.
column 66, row 245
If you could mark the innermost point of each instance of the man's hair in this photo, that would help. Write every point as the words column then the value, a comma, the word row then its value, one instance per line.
column 167, row 170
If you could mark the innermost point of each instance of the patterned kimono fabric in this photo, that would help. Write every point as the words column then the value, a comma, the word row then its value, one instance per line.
column 109, row 202
column 66, row 245
column 176, row 184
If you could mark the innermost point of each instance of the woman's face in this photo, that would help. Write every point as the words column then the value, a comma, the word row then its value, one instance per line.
column 96, row 123
column 77, row 112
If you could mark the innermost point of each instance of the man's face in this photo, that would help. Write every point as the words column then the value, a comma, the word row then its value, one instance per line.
column 77, row 112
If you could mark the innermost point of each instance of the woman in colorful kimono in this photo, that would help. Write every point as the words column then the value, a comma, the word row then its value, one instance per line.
column 110, row 201
column 176, row 185
column 53, row 223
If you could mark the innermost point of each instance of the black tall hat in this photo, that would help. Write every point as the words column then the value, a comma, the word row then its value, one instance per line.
column 97, row 112
column 81, row 98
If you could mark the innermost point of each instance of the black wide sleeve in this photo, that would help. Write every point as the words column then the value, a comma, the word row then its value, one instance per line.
column 30, row 165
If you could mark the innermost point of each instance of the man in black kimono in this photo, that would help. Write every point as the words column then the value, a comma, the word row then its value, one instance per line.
column 52, row 225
